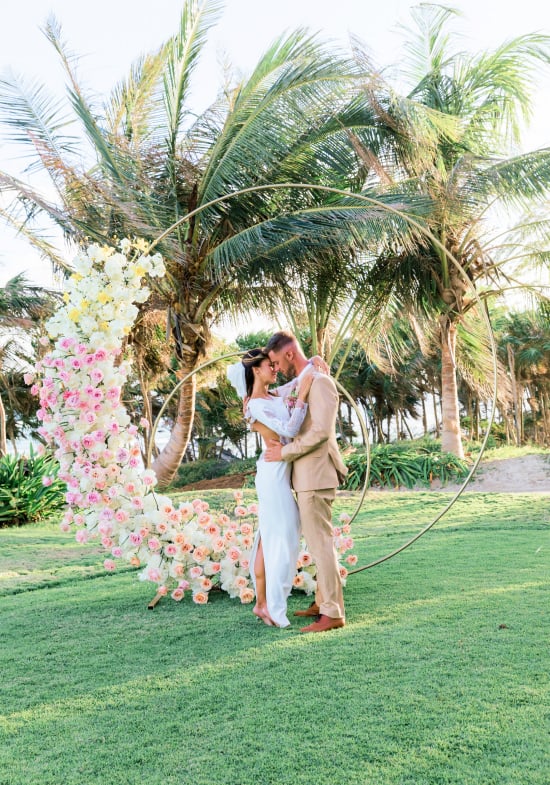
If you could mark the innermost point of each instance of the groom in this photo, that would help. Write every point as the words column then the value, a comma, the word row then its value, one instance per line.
column 316, row 472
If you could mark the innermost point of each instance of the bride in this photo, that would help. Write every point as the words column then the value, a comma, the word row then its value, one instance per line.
column 276, row 414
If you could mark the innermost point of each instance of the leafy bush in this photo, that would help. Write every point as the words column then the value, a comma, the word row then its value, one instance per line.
column 29, row 489
column 395, row 465
column 207, row 469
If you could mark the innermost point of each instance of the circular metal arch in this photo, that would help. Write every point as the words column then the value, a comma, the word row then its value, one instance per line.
column 214, row 361
column 428, row 234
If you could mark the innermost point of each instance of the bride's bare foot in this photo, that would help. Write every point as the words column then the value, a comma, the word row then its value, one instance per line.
column 262, row 614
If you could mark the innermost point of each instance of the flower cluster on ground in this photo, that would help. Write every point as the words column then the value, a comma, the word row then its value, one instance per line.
column 110, row 495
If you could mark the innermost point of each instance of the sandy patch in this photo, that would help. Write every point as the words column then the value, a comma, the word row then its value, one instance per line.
column 526, row 474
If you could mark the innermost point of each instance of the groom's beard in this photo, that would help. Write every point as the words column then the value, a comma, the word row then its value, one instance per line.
column 290, row 374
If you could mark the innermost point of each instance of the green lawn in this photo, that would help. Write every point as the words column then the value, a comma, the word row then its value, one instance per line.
column 440, row 676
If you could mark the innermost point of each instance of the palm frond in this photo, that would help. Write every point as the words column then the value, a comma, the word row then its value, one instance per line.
column 181, row 57
column 134, row 101
column 36, row 120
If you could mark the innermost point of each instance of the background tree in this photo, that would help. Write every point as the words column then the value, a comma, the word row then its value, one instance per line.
column 467, row 177
column 23, row 309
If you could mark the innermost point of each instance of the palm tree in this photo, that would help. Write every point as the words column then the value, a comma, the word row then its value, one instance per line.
column 23, row 308
column 524, row 346
column 151, row 163
column 468, row 176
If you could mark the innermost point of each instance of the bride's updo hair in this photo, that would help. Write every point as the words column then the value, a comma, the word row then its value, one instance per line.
column 251, row 360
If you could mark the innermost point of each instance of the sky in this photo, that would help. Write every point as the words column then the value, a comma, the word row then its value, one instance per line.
column 110, row 34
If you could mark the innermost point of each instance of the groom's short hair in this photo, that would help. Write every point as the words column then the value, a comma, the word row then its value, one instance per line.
column 279, row 340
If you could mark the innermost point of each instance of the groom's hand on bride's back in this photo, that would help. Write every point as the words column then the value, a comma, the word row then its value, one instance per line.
column 273, row 451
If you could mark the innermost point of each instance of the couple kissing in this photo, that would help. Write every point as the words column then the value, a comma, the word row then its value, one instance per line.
column 296, row 479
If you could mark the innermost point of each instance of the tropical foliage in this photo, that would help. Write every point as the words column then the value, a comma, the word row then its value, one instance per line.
column 396, row 466
column 29, row 489
column 23, row 309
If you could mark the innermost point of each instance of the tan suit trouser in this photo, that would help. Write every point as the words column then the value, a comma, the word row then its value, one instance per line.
column 316, row 519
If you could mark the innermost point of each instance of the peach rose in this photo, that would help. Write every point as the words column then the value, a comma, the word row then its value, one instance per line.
column 246, row 595
column 306, row 558
column 200, row 597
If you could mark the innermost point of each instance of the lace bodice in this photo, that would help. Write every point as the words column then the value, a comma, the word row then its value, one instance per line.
column 274, row 413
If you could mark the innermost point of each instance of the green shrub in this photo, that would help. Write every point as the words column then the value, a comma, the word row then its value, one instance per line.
column 207, row 469
column 395, row 465
column 23, row 496
column 194, row 471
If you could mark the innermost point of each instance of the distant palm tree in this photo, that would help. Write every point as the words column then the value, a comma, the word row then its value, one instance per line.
column 22, row 308
column 468, row 178
column 524, row 346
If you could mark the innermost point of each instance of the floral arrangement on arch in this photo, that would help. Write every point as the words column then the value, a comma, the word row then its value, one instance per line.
column 110, row 495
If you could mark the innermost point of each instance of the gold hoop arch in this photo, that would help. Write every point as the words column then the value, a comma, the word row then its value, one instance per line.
column 214, row 361
column 426, row 233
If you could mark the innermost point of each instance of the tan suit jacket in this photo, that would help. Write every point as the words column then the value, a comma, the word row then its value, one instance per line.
column 316, row 460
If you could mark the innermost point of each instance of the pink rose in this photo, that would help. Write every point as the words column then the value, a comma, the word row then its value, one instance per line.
column 82, row 536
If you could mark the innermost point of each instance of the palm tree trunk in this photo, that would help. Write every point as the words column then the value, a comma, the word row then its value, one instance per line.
column 167, row 462
column 517, row 404
column 424, row 416
column 3, row 443
column 450, row 427
column 436, row 413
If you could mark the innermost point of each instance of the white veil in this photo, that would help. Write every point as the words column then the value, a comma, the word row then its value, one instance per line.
column 235, row 374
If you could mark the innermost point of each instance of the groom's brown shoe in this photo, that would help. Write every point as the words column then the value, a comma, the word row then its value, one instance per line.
column 313, row 610
column 323, row 624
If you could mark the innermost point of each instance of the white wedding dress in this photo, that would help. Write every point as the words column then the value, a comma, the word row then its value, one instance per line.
column 279, row 521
